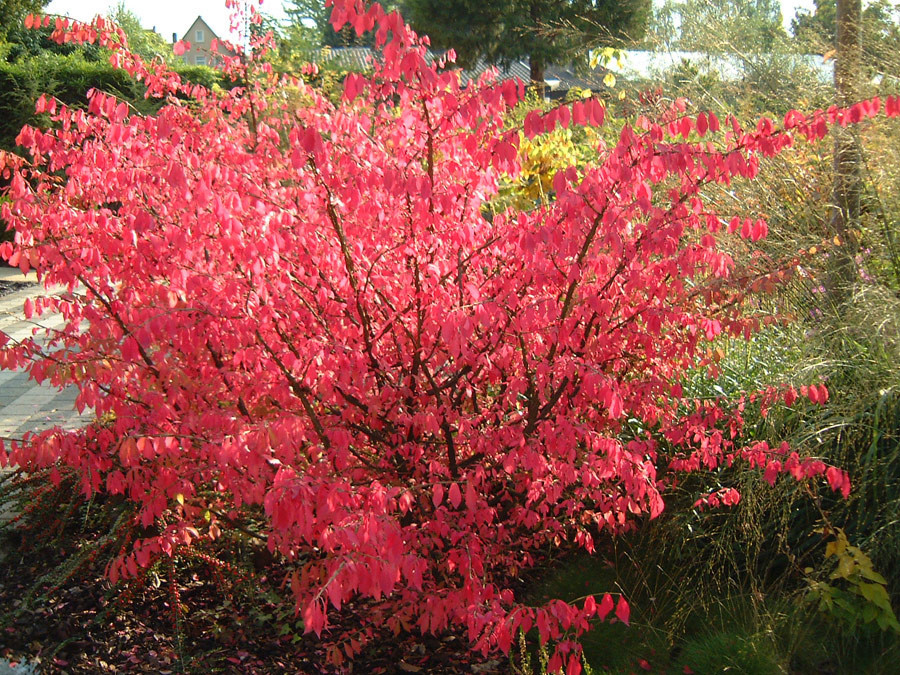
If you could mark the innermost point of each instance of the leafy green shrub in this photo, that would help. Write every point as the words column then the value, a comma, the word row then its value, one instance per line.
column 68, row 78
column 854, row 593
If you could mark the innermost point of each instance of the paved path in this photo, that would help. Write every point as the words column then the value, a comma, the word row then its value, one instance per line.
column 25, row 406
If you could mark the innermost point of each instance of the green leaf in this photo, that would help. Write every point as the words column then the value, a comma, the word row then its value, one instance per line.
column 844, row 569
column 869, row 613
column 872, row 592
column 872, row 575
column 842, row 602
column 893, row 624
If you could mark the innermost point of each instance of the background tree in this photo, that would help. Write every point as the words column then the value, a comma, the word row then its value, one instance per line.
column 309, row 23
column 741, row 60
column 501, row 32
column 662, row 27
column 146, row 43
column 12, row 12
column 815, row 28
column 746, row 26
column 879, row 29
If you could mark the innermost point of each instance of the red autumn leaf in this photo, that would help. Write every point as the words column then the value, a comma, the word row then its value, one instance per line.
column 790, row 396
column 812, row 393
column 605, row 607
column 533, row 124
column 597, row 112
column 702, row 125
column 454, row 495
column 437, row 495
column 578, row 113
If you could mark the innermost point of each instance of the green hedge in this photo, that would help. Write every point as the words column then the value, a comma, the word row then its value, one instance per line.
column 68, row 78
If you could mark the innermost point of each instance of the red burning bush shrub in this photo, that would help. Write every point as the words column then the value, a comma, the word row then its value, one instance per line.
column 306, row 308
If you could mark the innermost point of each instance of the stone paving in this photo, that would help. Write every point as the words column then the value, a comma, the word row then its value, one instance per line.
column 24, row 405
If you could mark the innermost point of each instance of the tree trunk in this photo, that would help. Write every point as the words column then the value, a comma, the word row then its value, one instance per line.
column 847, row 182
column 537, row 75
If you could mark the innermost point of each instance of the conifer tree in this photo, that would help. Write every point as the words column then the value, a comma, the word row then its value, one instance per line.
column 544, row 31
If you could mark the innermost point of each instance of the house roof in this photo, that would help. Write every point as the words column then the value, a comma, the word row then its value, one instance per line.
column 345, row 58
column 200, row 24
column 203, row 23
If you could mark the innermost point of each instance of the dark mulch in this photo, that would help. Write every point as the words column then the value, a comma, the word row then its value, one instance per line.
column 86, row 626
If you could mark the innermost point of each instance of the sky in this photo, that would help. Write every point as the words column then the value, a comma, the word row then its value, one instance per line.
column 176, row 16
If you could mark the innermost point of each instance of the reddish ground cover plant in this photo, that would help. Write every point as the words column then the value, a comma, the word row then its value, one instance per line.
column 306, row 308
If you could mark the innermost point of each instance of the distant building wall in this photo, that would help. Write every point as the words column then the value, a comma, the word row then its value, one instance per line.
column 200, row 37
